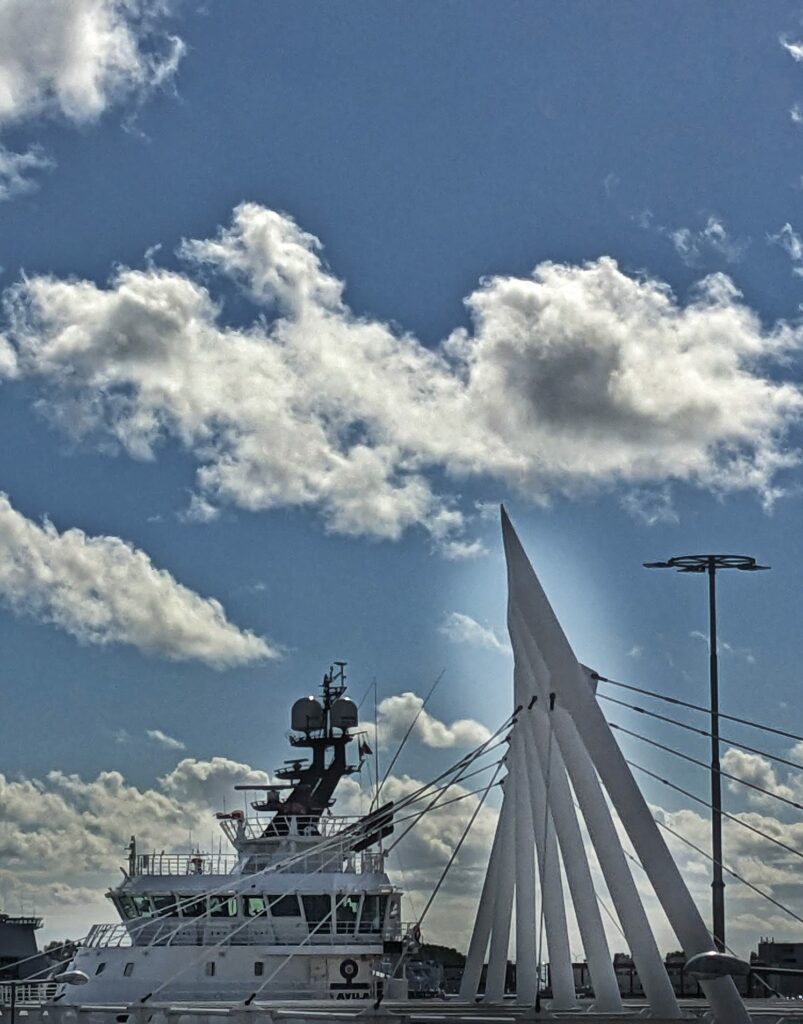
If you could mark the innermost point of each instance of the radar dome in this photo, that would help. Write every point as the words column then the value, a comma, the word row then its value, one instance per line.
column 307, row 715
column 344, row 714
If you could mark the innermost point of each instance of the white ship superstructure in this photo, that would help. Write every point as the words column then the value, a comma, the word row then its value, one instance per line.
column 302, row 910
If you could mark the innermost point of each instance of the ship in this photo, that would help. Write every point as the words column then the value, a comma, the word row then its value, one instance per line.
column 303, row 909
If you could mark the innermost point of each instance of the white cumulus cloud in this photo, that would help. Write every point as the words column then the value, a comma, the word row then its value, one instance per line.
column 758, row 771
column 102, row 590
column 63, row 837
column 462, row 629
column 397, row 713
column 75, row 58
column 573, row 379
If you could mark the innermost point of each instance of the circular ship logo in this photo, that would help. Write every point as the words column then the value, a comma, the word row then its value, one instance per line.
column 349, row 988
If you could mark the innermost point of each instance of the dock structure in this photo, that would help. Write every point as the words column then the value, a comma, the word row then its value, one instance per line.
column 390, row 1012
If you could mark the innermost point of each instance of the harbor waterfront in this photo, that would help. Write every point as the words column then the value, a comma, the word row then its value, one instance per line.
column 304, row 919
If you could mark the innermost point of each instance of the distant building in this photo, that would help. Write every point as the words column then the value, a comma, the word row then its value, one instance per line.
column 788, row 955
column 18, row 942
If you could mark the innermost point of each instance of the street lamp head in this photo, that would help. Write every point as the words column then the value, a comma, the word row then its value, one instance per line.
column 708, row 563
column 71, row 978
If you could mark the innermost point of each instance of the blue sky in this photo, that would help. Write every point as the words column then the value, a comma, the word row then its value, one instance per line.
column 315, row 433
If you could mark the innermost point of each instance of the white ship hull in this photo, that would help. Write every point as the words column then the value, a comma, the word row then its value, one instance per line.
column 230, row 975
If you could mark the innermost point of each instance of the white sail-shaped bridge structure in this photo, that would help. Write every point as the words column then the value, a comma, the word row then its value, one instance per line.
column 563, row 759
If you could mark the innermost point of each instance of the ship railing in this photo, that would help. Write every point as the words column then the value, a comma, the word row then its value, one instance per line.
column 283, row 826
column 170, row 932
column 106, row 936
column 184, row 863
column 340, row 858
column 27, row 993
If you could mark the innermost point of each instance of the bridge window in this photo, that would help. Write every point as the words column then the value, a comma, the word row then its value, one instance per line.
column 222, row 906
column 373, row 913
column 192, row 906
column 142, row 905
column 259, row 968
column 209, row 968
column 127, row 908
column 165, row 905
column 254, row 906
column 128, row 970
column 101, row 967
column 318, row 911
column 347, row 909
column 284, row 906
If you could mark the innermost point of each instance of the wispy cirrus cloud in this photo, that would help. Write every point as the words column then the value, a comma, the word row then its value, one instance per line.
column 691, row 245
column 650, row 505
column 170, row 742
column 695, row 246
column 16, row 170
column 792, row 244
column 102, row 590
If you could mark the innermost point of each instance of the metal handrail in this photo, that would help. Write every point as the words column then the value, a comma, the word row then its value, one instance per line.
column 181, row 865
column 202, row 932
column 184, row 863
column 28, row 993
column 298, row 826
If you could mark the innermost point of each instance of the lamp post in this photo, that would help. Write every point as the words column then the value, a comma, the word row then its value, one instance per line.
column 709, row 564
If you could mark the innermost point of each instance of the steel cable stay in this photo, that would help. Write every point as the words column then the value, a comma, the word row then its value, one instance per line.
column 725, row 814
column 615, row 920
column 730, row 871
column 630, row 856
column 454, row 799
column 728, row 949
column 453, row 856
column 460, row 775
column 237, row 885
column 703, row 764
column 406, row 736
column 702, row 732
column 698, row 707
column 435, row 802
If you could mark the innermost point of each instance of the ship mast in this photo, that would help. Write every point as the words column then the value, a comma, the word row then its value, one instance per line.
column 324, row 726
